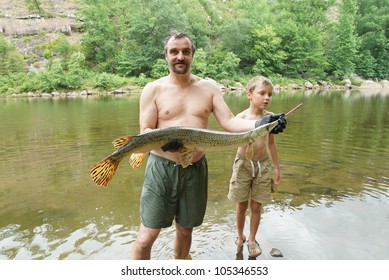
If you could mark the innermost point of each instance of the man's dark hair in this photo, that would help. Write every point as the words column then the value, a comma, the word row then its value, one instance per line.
column 177, row 35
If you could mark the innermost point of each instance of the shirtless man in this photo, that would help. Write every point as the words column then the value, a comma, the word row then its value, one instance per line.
column 171, row 192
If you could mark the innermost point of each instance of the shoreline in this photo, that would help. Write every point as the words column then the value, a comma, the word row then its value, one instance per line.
column 367, row 87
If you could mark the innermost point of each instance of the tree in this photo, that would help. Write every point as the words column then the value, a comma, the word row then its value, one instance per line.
column 101, row 41
column 304, row 51
column 372, row 27
column 342, row 47
column 200, row 65
column 267, row 50
column 301, row 26
column 149, row 23
column 236, row 36
column 199, row 20
column 237, row 32
column 11, row 61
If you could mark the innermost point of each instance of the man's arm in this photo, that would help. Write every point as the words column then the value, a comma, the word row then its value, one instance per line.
column 148, row 113
column 231, row 123
column 226, row 118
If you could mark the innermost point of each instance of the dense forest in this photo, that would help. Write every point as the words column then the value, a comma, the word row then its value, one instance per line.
column 283, row 39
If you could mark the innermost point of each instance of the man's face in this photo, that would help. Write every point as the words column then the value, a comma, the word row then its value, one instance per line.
column 179, row 55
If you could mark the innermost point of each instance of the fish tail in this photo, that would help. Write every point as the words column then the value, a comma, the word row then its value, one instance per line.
column 103, row 171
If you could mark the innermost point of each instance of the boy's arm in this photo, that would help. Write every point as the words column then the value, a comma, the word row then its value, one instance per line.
column 274, row 156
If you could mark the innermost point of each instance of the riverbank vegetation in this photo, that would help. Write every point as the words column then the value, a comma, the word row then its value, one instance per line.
column 287, row 40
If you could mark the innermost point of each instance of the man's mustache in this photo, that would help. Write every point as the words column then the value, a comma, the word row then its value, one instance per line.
column 180, row 62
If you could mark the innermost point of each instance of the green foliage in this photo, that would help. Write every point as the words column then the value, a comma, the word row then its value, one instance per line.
column 101, row 41
column 107, row 81
column 342, row 48
column 305, row 54
column 34, row 6
column 236, row 36
column 160, row 69
column 10, row 59
column 372, row 26
column 59, row 48
column 267, row 48
column 235, row 39
column 147, row 25
column 227, row 65
column 199, row 64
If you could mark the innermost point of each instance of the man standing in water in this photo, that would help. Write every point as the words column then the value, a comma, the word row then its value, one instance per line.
column 171, row 192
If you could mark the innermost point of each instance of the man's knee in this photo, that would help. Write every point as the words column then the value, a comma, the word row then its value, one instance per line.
column 183, row 232
column 146, row 237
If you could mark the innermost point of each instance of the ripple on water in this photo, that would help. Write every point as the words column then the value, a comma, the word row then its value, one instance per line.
column 89, row 242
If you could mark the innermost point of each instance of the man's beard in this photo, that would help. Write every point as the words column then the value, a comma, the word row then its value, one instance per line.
column 180, row 71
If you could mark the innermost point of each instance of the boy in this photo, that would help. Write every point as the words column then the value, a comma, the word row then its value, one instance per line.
column 251, row 179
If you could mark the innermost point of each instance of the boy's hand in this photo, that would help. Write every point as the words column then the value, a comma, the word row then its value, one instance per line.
column 271, row 118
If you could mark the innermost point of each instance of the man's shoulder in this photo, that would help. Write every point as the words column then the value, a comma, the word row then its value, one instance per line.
column 207, row 81
column 154, row 86
column 207, row 85
column 243, row 114
column 157, row 82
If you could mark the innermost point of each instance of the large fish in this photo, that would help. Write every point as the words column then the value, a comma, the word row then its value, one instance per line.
column 193, row 139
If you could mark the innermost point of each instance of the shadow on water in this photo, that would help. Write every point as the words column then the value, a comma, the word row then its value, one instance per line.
column 333, row 202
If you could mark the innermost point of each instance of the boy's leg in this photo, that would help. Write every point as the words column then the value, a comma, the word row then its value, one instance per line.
column 241, row 208
column 255, row 219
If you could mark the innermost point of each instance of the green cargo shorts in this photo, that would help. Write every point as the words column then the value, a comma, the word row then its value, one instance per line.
column 172, row 192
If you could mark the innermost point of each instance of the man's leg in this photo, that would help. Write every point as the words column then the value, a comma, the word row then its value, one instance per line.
column 141, row 248
column 182, row 242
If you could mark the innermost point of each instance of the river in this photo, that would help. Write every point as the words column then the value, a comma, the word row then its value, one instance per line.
column 333, row 202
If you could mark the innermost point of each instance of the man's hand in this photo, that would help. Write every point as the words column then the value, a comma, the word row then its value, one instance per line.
column 173, row 146
column 271, row 118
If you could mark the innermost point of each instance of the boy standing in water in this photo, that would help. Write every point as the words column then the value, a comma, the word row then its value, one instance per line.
column 251, row 179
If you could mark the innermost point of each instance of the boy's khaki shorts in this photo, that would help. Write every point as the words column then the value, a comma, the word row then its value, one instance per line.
column 172, row 192
column 251, row 179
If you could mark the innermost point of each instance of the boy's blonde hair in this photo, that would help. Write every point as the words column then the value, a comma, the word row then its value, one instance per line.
column 257, row 80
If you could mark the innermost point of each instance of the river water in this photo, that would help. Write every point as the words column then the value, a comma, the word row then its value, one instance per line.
column 333, row 202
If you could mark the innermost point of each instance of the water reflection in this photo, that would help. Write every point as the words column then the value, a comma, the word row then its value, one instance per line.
column 333, row 202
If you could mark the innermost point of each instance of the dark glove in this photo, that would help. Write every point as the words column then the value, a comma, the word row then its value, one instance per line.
column 271, row 118
column 173, row 146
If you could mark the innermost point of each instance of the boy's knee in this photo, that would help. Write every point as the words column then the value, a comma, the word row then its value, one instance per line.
column 255, row 206
column 242, row 206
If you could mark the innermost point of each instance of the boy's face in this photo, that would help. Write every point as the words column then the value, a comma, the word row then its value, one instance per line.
column 260, row 96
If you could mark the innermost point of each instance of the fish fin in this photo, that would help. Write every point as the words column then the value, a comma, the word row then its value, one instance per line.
column 137, row 159
column 250, row 151
column 186, row 156
column 121, row 141
column 103, row 171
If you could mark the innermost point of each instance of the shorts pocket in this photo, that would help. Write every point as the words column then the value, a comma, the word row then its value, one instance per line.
column 235, row 169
